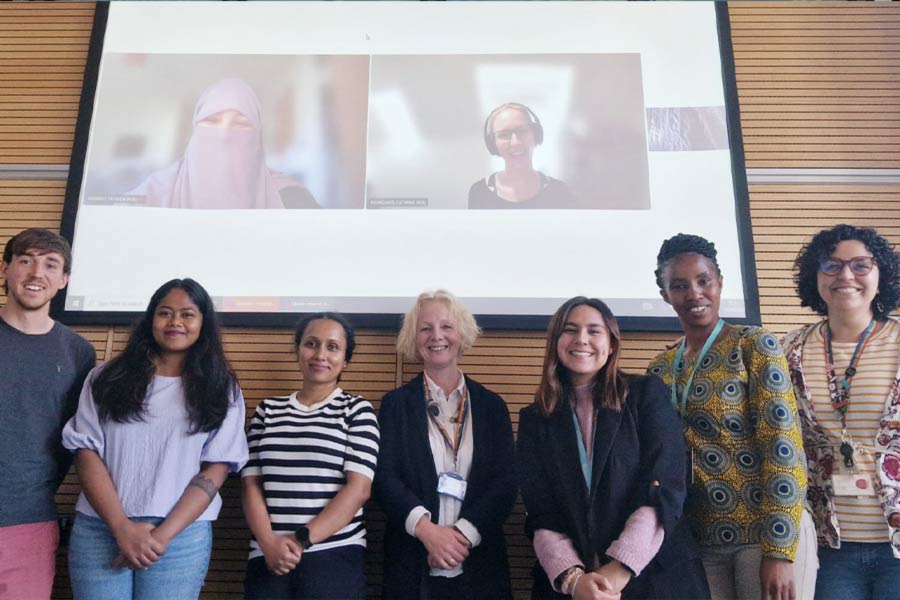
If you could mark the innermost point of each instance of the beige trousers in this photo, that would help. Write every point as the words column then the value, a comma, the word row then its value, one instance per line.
column 733, row 571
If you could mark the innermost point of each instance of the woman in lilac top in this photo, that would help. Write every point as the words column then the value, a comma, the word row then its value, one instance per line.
column 157, row 431
column 602, row 471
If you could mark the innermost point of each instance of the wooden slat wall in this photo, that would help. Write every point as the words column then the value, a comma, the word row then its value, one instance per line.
column 42, row 56
column 818, row 84
column 786, row 216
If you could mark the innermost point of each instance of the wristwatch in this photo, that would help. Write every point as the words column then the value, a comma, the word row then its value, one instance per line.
column 302, row 534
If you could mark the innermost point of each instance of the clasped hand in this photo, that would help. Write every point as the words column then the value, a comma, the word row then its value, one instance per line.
column 606, row 583
column 282, row 553
column 138, row 548
column 446, row 546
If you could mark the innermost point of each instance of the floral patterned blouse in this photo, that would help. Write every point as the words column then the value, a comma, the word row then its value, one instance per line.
column 820, row 452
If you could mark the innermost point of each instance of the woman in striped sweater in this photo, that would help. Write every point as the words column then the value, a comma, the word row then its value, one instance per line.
column 312, row 459
column 846, row 374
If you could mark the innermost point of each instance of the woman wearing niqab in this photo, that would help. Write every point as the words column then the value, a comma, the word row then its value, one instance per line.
column 224, row 163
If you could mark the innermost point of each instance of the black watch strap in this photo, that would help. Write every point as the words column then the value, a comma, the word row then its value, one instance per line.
column 302, row 534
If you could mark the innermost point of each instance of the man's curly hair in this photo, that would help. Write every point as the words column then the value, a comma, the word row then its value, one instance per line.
column 822, row 245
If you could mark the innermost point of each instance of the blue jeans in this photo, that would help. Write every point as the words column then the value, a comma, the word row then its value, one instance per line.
column 861, row 571
column 177, row 575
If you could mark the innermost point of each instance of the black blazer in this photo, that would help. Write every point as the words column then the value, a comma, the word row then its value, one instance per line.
column 406, row 478
column 639, row 458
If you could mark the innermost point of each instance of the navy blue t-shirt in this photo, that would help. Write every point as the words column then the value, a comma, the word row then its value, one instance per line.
column 40, row 381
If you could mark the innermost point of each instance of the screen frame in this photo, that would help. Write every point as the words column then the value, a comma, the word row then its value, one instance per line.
column 391, row 320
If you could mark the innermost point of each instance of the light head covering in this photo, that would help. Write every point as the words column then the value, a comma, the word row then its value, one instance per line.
column 222, row 167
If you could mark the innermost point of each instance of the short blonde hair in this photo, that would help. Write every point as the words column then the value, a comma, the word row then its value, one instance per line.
column 465, row 323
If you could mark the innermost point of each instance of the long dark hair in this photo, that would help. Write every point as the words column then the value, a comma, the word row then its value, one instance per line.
column 610, row 386
column 209, row 383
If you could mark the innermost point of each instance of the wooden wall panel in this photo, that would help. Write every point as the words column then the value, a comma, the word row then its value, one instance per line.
column 786, row 216
column 42, row 56
column 818, row 84
column 29, row 203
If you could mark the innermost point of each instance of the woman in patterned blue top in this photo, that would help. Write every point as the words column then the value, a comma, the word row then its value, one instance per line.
column 748, row 480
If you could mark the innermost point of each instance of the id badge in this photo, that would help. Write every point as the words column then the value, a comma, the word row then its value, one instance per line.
column 451, row 484
column 852, row 484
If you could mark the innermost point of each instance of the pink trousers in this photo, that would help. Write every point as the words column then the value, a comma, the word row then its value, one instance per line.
column 28, row 560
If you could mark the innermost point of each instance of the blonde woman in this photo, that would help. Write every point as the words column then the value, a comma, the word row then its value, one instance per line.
column 445, row 473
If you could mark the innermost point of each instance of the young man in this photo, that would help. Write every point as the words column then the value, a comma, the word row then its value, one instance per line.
column 43, row 365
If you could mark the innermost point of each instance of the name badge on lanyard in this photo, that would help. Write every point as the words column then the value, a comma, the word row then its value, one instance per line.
column 449, row 483
column 452, row 485
column 847, row 480
column 852, row 484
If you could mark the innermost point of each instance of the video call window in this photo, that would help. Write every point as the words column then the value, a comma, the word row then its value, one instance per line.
column 298, row 157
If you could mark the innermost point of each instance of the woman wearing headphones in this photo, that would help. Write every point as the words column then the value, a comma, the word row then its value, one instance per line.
column 512, row 131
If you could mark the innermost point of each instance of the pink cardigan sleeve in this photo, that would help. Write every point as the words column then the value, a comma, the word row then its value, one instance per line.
column 555, row 552
column 639, row 541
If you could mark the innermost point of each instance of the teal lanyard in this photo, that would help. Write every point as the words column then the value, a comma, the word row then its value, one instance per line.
column 587, row 468
column 678, row 355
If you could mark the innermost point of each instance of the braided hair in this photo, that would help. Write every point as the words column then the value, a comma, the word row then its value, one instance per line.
column 684, row 243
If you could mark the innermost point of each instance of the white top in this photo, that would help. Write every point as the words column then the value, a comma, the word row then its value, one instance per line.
column 449, row 507
column 151, row 460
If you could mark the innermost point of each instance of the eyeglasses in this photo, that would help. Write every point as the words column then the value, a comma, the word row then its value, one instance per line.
column 859, row 265
column 505, row 135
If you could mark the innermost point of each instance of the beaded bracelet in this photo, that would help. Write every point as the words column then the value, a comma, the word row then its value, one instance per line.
column 570, row 580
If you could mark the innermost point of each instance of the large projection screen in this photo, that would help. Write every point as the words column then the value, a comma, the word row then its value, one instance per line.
column 298, row 157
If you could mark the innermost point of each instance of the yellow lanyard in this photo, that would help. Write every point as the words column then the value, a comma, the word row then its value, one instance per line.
column 461, row 415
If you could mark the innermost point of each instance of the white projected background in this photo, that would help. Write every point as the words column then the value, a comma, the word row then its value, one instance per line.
column 399, row 97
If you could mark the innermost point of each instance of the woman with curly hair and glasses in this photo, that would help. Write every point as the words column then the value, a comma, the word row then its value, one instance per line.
column 846, row 374
column 730, row 386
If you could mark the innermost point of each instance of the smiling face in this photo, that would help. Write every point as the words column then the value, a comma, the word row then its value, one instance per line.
column 177, row 322
column 322, row 352
column 693, row 287
column 846, row 291
column 33, row 278
column 584, row 345
column 437, row 336
column 513, row 135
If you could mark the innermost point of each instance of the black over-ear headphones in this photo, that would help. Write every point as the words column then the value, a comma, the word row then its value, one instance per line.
column 534, row 122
